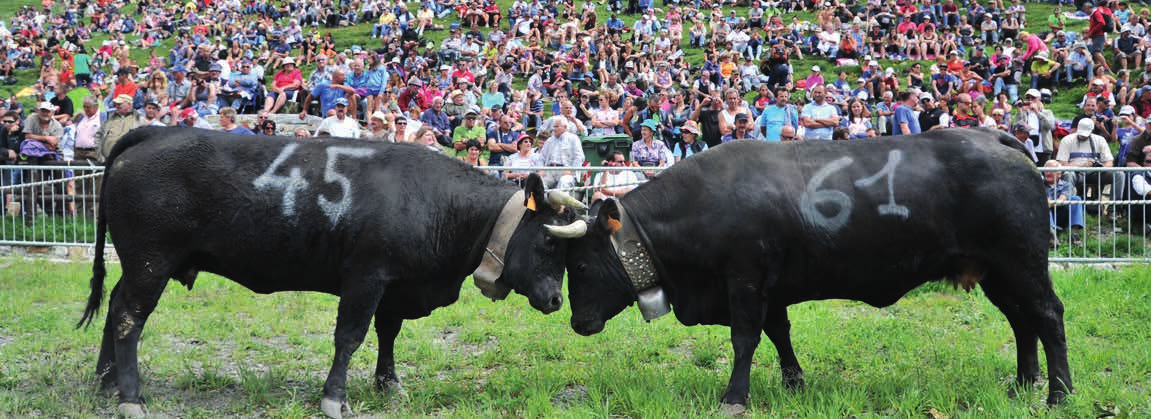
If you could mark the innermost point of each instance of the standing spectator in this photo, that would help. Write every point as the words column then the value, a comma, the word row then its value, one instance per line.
column 776, row 116
column 819, row 118
column 905, row 121
column 563, row 149
column 1084, row 149
column 1095, row 26
column 1040, row 121
column 42, row 135
column 118, row 123
column 932, row 116
column 87, row 127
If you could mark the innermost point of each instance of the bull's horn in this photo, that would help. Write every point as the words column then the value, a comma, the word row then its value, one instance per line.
column 561, row 198
column 574, row 230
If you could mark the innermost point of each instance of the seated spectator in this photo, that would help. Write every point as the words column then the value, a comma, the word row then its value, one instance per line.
column 690, row 144
column 613, row 184
column 228, row 122
column 340, row 124
column 1141, row 189
column 525, row 156
column 649, row 151
column 285, row 84
column 605, row 120
column 562, row 149
column 472, row 158
column 1064, row 217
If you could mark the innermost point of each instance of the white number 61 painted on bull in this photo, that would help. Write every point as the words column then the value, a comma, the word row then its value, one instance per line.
column 813, row 196
column 294, row 182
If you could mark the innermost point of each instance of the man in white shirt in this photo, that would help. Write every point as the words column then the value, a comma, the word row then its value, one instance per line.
column 563, row 149
column 1084, row 149
column 340, row 125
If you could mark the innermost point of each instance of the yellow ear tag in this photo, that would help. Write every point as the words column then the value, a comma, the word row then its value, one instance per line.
column 614, row 224
column 531, row 204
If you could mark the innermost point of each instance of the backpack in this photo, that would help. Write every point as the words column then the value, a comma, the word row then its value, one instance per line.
column 1108, row 22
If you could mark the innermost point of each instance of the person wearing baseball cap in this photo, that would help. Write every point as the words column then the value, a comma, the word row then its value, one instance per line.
column 470, row 129
column 122, row 119
column 340, row 124
column 742, row 131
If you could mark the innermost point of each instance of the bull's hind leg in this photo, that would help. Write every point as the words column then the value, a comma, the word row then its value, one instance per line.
column 387, row 328
column 135, row 297
column 778, row 330
column 106, row 362
column 1035, row 312
column 361, row 296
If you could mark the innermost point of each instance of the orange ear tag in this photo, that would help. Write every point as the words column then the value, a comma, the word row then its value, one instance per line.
column 614, row 224
column 531, row 204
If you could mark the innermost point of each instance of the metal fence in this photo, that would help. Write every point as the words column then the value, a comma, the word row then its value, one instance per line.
column 55, row 206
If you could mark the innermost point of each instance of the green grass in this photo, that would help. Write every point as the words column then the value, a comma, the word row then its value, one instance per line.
column 220, row 350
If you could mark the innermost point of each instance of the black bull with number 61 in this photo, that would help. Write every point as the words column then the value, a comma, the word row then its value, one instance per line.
column 735, row 235
column 392, row 229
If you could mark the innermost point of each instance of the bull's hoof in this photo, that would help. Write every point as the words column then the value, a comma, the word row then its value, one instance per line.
column 392, row 387
column 133, row 410
column 334, row 408
column 793, row 380
column 733, row 410
column 1056, row 397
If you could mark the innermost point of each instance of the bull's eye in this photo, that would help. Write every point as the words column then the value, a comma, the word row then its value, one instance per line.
column 580, row 267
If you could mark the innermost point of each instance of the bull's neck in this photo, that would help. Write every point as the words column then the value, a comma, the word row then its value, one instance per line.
column 492, row 264
column 628, row 242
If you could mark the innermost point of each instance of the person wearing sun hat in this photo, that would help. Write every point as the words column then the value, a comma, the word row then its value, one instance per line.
column 690, row 144
column 1043, row 70
column 649, row 151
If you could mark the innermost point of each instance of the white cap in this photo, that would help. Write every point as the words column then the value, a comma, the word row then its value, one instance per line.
column 1086, row 125
column 815, row 68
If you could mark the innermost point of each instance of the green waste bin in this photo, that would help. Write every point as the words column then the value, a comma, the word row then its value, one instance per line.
column 596, row 148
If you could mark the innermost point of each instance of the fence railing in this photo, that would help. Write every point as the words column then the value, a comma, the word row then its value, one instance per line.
column 55, row 206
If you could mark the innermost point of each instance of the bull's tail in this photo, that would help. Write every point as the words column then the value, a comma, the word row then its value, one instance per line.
column 1010, row 141
column 96, row 296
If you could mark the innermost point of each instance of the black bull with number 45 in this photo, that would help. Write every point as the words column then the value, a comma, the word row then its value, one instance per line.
column 392, row 229
column 735, row 235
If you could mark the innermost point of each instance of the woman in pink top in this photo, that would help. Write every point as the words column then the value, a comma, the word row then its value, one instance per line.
column 285, row 84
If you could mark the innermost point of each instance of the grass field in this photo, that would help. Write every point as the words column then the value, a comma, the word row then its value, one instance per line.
column 222, row 351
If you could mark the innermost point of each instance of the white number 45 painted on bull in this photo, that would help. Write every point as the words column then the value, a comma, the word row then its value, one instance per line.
column 294, row 182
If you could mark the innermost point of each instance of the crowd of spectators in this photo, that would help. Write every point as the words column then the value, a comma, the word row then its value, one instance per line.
column 680, row 78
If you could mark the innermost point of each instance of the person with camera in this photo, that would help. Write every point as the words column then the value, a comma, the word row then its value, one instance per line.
column 1102, row 116
column 1083, row 148
column 1040, row 121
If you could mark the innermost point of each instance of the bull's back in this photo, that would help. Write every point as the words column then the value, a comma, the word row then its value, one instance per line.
column 275, row 214
column 835, row 220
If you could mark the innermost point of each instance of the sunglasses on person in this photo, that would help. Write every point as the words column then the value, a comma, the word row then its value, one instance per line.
column 8, row 121
column 401, row 122
column 787, row 137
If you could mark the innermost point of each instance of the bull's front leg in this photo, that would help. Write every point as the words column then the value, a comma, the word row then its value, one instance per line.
column 355, row 316
column 778, row 330
column 747, row 317
column 387, row 328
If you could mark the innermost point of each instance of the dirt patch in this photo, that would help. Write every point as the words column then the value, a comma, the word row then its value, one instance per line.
column 570, row 395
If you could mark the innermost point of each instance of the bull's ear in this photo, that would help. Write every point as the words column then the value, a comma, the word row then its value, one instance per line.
column 608, row 217
column 534, row 198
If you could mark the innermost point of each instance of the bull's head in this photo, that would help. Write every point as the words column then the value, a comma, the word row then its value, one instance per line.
column 534, row 259
column 598, row 285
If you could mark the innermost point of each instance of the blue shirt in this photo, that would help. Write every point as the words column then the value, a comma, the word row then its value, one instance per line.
column 774, row 118
column 816, row 111
column 904, row 113
column 327, row 96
